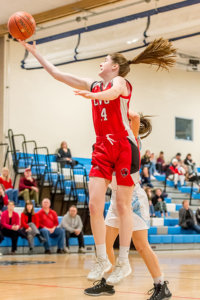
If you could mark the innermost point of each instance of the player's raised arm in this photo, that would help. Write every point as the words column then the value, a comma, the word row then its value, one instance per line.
column 71, row 80
column 119, row 88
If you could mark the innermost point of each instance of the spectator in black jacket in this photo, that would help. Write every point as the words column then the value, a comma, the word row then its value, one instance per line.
column 187, row 218
column 145, row 165
column 65, row 156
column 198, row 216
column 191, row 169
column 158, row 195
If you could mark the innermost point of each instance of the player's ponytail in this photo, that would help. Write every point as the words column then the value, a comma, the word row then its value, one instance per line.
column 160, row 53
column 145, row 126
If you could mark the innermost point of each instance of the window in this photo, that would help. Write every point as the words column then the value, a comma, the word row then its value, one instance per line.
column 184, row 129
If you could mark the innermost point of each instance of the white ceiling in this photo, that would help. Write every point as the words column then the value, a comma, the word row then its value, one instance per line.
column 171, row 24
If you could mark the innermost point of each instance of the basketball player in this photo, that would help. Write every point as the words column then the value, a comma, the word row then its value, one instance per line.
column 116, row 148
column 141, row 222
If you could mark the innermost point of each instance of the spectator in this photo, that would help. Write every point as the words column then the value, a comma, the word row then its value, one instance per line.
column 145, row 166
column 3, row 199
column 158, row 194
column 189, row 163
column 28, row 187
column 73, row 226
column 160, row 163
column 191, row 170
column 149, row 196
column 198, row 216
column 10, row 225
column 64, row 156
column 187, row 219
column 48, row 223
column 177, row 173
column 178, row 157
column 7, row 182
column 30, row 224
column 151, row 209
column 152, row 169
column 161, row 207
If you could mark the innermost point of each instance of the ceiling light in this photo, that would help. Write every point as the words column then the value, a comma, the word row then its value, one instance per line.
column 132, row 41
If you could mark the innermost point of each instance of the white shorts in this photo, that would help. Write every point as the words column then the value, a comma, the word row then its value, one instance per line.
column 140, row 205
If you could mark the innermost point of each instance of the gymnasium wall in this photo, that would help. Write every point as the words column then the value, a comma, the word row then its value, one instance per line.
column 47, row 111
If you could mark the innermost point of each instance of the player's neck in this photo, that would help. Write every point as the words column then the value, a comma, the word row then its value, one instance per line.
column 107, row 78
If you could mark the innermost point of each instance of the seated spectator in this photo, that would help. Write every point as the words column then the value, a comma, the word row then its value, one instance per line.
column 198, row 216
column 48, row 226
column 160, row 163
column 28, row 187
column 64, row 156
column 7, row 182
column 145, row 166
column 189, row 163
column 10, row 225
column 151, row 209
column 158, row 194
column 178, row 157
column 152, row 169
column 148, row 191
column 161, row 207
column 187, row 219
column 73, row 226
column 3, row 199
column 177, row 173
column 191, row 169
column 30, row 224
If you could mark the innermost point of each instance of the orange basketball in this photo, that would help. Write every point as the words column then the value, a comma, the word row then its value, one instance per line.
column 21, row 25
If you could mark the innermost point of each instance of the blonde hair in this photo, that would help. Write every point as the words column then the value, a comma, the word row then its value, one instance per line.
column 61, row 145
column 8, row 177
column 160, row 53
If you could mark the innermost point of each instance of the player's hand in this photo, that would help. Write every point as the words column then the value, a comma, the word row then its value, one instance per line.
column 84, row 94
column 30, row 48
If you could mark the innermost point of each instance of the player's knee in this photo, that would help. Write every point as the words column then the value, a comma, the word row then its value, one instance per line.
column 122, row 208
column 94, row 209
column 141, row 247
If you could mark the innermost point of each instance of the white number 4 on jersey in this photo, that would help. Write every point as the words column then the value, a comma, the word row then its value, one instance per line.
column 103, row 114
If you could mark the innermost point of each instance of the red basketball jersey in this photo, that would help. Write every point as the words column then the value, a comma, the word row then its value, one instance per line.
column 111, row 117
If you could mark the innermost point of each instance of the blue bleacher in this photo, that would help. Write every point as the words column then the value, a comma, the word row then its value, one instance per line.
column 196, row 195
column 187, row 189
column 160, row 177
column 168, row 200
column 88, row 240
column 170, row 222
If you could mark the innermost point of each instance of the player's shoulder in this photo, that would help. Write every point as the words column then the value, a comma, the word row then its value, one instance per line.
column 95, row 84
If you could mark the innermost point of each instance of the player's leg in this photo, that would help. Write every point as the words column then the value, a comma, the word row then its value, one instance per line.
column 111, row 235
column 97, row 190
column 123, row 202
column 140, row 241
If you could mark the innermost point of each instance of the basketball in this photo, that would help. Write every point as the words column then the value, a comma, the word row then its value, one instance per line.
column 21, row 25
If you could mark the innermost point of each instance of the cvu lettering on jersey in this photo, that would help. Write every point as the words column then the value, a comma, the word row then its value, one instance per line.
column 100, row 102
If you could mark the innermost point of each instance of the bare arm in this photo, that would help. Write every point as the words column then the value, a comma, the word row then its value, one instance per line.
column 119, row 88
column 71, row 80
column 135, row 123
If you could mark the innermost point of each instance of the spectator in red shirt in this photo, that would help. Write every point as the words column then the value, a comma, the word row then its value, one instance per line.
column 48, row 223
column 177, row 173
column 30, row 224
column 28, row 187
column 10, row 225
column 3, row 199
column 7, row 183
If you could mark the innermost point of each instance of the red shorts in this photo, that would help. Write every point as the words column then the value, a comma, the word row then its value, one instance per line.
column 120, row 156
